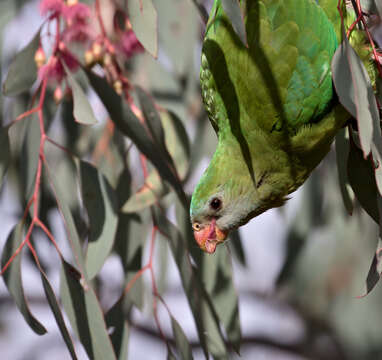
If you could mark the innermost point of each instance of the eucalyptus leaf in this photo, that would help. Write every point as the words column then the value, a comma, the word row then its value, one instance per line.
column 30, row 154
column 85, row 315
column 22, row 71
column 70, row 227
column 5, row 153
column 12, row 278
column 129, row 124
column 151, row 115
column 101, row 205
column 82, row 111
column 355, row 91
column 342, row 154
column 151, row 192
column 375, row 270
column 202, row 308
column 143, row 18
column 181, row 341
column 362, row 181
column 218, row 277
column 177, row 144
column 55, row 307
column 129, row 242
column 119, row 330
column 237, row 246
column 175, row 28
column 176, row 141
column 234, row 13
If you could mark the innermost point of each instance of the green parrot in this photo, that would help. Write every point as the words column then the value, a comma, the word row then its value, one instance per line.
column 272, row 105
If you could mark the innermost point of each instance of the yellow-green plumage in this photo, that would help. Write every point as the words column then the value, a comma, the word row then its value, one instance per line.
column 272, row 105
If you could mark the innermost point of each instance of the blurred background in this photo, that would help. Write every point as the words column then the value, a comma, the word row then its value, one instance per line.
column 302, row 267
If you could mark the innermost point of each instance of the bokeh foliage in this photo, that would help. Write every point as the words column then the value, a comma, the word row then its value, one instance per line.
column 121, row 167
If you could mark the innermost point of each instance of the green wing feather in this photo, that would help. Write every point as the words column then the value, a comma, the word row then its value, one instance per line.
column 272, row 104
column 284, row 74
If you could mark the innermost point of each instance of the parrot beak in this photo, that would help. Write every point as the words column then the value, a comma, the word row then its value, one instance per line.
column 209, row 236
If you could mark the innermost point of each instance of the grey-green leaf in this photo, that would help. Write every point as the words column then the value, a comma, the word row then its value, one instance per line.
column 218, row 277
column 129, row 124
column 201, row 305
column 362, row 181
column 143, row 18
column 4, row 154
column 55, row 307
column 342, row 154
column 152, row 191
column 355, row 91
column 71, row 230
column 234, row 13
column 375, row 270
column 22, row 71
column 85, row 314
column 181, row 341
column 118, row 327
column 12, row 278
column 151, row 115
column 177, row 142
column 82, row 111
column 101, row 205
column 130, row 239
column 237, row 246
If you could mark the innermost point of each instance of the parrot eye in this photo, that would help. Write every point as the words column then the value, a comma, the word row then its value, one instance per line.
column 215, row 204
column 196, row 226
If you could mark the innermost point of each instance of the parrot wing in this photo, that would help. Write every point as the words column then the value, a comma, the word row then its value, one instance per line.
column 282, row 81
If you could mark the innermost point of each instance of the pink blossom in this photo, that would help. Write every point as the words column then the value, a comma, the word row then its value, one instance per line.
column 54, row 70
column 130, row 44
column 54, row 6
column 78, row 32
column 76, row 13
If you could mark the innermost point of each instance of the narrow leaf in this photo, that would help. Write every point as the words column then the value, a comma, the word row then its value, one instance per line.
column 234, row 13
column 217, row 275
column 176, row 141
column 85, row 314
column 209, row 332
column 5, row 153
column 342, row 154
column 143, row 18
column 177, row 144
column 201, row 10
column 13, row 281
column 129, row 124
column 152, row 117
column 118, row 328
column 30, row 154
column 130, row 239
column 362, row 181
column 237, row 246
column 375, row 270
column 82, row 111
column 71, row 230
column 151, row 192
column 101, row 205
column 181, row 341
column 22, row 71
column 355, row 92
column 55, row 307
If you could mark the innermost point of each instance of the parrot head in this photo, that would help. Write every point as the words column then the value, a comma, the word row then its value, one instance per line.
column 217, row 207
column 206, row 219
column 227, row 198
